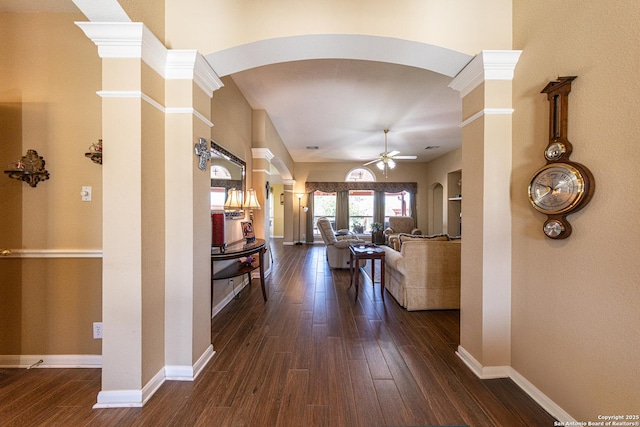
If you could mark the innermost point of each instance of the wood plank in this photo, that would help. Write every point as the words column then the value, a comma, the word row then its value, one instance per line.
column 367, row 408
column 393, row 409
column 294, row 399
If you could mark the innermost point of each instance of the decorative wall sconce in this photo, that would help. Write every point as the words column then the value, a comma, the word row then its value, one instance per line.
column 233, row 205
column 30, row 169
column 95, row 152
column 201, row 150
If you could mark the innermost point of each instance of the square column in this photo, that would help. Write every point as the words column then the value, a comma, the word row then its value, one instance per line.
column 485, row 315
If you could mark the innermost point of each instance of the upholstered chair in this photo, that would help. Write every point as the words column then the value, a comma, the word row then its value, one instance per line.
column 337, row 246
column 400, row 224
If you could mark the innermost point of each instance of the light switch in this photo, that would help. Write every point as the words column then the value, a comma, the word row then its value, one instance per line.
column 86, row 194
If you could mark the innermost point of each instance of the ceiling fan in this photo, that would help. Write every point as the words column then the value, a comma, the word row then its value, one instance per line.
column 386, row 160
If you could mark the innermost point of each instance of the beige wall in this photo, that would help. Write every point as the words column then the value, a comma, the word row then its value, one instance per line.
column 278, row 211
column 436, row 22
column 436, row 172
column 576, row 323
column 48, row 79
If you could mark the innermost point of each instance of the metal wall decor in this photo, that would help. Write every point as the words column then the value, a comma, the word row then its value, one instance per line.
column 29, row 169
column 95, row 152
column 202, row 151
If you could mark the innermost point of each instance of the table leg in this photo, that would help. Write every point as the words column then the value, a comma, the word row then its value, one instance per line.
column 382, row 277
column 264, row 291
column 357, row 271
column 373, row 275
column 350, row 269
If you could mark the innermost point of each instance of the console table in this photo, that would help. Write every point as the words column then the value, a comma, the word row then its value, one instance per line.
column 235, row 251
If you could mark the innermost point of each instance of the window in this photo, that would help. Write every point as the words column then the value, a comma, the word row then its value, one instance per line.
column 217, row 198
column 324, row 205
column 360, row 211
column 218, row 193
column 396, row 204
column 360, row 175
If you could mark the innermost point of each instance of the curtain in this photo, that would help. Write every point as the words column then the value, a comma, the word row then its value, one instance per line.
column 414, row 210
column 378, row 206
column 309, row 219
column 342, row 209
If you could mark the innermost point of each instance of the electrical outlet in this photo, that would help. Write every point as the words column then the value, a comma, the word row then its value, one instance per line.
column 97, row 330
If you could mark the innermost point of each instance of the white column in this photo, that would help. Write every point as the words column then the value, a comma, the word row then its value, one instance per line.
column 485, row 325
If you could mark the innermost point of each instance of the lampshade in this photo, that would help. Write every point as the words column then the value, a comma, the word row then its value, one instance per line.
column 380, row 165
column 299, row 195
column 234, row 200
column 251, row 201
column 391, row 164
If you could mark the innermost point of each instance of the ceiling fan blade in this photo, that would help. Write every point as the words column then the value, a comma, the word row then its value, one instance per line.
column 393, row 153
column 405, row 157
column 371, row 162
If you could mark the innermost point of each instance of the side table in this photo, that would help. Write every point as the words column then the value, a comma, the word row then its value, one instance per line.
column 363, row 252
column 235, row 251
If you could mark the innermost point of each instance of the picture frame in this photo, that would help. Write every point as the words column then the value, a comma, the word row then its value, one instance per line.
column 247, row 231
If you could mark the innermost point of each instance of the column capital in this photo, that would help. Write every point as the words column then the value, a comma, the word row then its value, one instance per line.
column 488, row 65
column 262, row 153
column 135, row 40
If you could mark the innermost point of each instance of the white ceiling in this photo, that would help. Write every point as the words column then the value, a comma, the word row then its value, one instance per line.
column 342, row 107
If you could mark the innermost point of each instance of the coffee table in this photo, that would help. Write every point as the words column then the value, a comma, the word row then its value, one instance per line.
column 370, row 251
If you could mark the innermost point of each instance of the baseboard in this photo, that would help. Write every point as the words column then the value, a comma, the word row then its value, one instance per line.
column 492, row 372
column 219, row 306
column 130, row 398
column 231, row 295
column 542, row 399
column 186, row 372
column 51, row 361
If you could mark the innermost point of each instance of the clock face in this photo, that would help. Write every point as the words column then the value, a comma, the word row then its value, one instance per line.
column 555, row 151
column 554, row 228
column 556, row 188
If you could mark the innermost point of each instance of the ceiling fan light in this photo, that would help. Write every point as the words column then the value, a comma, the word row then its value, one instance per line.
column 380, row 165
column 391, row 164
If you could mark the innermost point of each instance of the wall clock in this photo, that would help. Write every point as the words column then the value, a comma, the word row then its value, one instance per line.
column 560, row 187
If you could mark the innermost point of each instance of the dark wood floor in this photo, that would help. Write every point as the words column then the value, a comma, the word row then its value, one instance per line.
column 310, row 356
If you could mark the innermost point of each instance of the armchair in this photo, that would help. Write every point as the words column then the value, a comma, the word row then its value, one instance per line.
column 397, row 225
column 337, row 246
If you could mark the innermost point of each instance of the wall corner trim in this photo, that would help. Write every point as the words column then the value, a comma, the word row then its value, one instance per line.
column 186, row 372
column 130, row 398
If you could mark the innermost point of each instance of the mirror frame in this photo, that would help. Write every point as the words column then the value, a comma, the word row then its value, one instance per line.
column 219, row 151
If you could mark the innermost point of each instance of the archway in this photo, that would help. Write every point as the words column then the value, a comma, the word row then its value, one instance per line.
column 437, row 209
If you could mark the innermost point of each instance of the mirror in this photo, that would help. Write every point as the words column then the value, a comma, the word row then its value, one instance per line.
column 227, row 172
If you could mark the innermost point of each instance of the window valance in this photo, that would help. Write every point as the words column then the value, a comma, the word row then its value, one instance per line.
column 387, row 187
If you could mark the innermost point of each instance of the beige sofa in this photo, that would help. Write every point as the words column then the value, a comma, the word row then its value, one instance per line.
column 425, row 273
